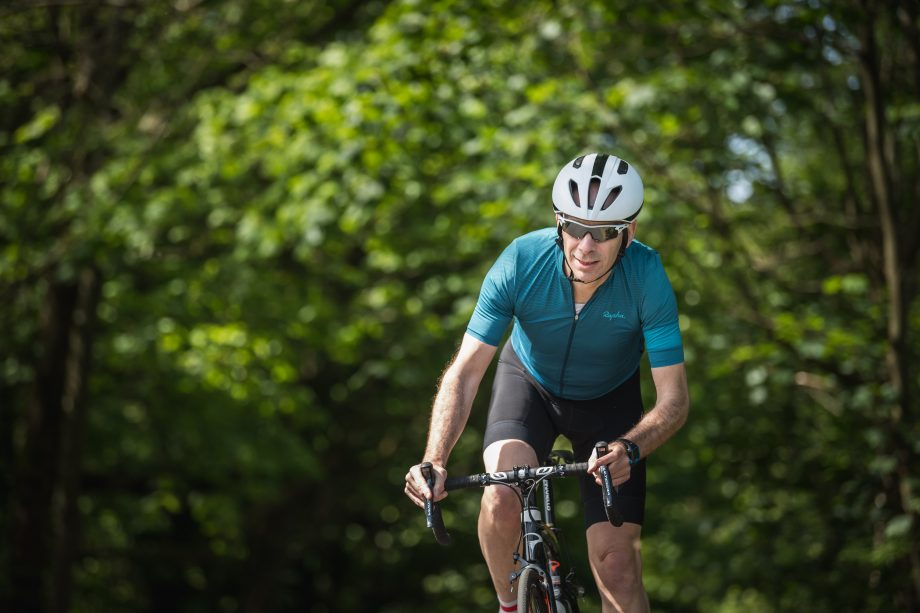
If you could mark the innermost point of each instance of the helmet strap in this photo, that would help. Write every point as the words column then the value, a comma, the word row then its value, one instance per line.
column 571, row 274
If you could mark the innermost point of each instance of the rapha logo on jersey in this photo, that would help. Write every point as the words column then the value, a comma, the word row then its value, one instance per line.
column 612, row 316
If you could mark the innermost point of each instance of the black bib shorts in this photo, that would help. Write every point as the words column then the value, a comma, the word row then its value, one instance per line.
column 522, row 409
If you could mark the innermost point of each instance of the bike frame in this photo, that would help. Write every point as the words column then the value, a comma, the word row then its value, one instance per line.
column 541, row 544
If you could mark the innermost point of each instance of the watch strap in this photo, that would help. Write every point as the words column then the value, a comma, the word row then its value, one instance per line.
column 632, row 450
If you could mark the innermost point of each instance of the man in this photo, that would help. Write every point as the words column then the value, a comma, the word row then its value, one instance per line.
column 585, row 300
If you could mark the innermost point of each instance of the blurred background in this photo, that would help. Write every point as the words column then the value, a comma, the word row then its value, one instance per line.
column 240, row 239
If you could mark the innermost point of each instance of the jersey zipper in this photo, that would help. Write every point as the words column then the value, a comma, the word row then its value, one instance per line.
column 568, row 348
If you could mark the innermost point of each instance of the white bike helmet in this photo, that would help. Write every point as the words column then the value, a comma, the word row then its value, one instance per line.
column 598, row 187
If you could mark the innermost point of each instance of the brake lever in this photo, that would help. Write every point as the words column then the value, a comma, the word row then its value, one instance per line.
column 433, row 517
column 609, row 492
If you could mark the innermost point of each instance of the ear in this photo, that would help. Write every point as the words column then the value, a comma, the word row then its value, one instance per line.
column 632, row 232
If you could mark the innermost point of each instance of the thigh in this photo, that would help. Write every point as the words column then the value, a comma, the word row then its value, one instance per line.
column 518, row 411
column 506, row 454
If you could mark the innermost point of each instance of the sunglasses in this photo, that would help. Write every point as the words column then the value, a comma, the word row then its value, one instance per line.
column 598, row 233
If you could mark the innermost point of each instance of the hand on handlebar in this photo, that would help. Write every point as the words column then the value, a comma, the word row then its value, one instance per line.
column 616, row 461
column 417, row 488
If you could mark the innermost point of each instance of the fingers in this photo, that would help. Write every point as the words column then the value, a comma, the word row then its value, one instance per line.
column 440, row 476
column 618, row 463
column 414, row 497
column 618, row 478
column 610, row 459
column 416, row 479
column 417, row 490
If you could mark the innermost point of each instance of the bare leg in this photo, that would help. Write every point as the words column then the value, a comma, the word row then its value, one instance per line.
column 616, row 562
column 500, row 514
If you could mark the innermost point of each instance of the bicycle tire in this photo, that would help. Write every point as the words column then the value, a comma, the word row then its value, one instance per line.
column 569, row 603
column 533, row 594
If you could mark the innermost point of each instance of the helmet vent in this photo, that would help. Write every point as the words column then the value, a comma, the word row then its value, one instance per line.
column 578, row 161
column 593, row 187
column 623, row 168
column 573, row 188
column 612, row 196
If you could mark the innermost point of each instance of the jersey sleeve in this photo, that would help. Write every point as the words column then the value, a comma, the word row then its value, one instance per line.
column 495, row 306
column 658, row 310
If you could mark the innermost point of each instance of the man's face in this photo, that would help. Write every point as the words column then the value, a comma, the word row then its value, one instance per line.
column 587, row 257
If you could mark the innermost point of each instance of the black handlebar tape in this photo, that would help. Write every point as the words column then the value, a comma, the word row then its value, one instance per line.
column 433, row 517
column 609, row 493
column 459, row 483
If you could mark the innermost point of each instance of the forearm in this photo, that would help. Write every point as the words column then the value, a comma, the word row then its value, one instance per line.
column 659, row 424
column 449, row 415
column 670, row 412
column 454, row 399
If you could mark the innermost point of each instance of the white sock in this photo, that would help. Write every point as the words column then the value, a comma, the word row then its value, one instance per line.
column 507, row 607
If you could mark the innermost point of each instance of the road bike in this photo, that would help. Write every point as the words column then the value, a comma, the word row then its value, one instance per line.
column 545, row 580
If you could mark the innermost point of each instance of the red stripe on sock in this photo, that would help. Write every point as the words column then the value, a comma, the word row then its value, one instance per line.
column 510, row 609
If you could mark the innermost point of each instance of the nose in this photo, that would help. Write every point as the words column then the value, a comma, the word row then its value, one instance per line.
column 587, row 242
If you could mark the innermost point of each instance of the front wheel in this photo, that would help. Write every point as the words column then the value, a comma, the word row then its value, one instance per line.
column 533, row 595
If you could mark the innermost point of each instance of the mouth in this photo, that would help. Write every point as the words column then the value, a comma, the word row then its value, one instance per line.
column 584, row 263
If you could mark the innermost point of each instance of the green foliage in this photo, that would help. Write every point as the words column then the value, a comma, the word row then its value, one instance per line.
column 291, row 207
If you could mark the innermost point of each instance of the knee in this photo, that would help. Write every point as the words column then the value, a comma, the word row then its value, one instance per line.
column 618, row 570
column 500, row 506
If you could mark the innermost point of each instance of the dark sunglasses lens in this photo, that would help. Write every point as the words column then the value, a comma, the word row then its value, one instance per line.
column 598, row 234
column 574, row 230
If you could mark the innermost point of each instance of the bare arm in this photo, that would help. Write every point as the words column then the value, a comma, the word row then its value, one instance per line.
column 672, row 404
column 449, row 414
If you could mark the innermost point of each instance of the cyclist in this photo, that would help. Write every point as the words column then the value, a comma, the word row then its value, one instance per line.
column 585, row 300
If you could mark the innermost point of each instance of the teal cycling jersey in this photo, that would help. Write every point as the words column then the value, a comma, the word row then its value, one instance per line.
column 588, row 354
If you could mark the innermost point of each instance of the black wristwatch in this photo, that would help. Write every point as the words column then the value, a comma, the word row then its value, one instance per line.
column 632, row 450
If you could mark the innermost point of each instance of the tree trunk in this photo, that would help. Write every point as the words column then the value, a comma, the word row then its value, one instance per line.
column 45, row 519
column 883, row 167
